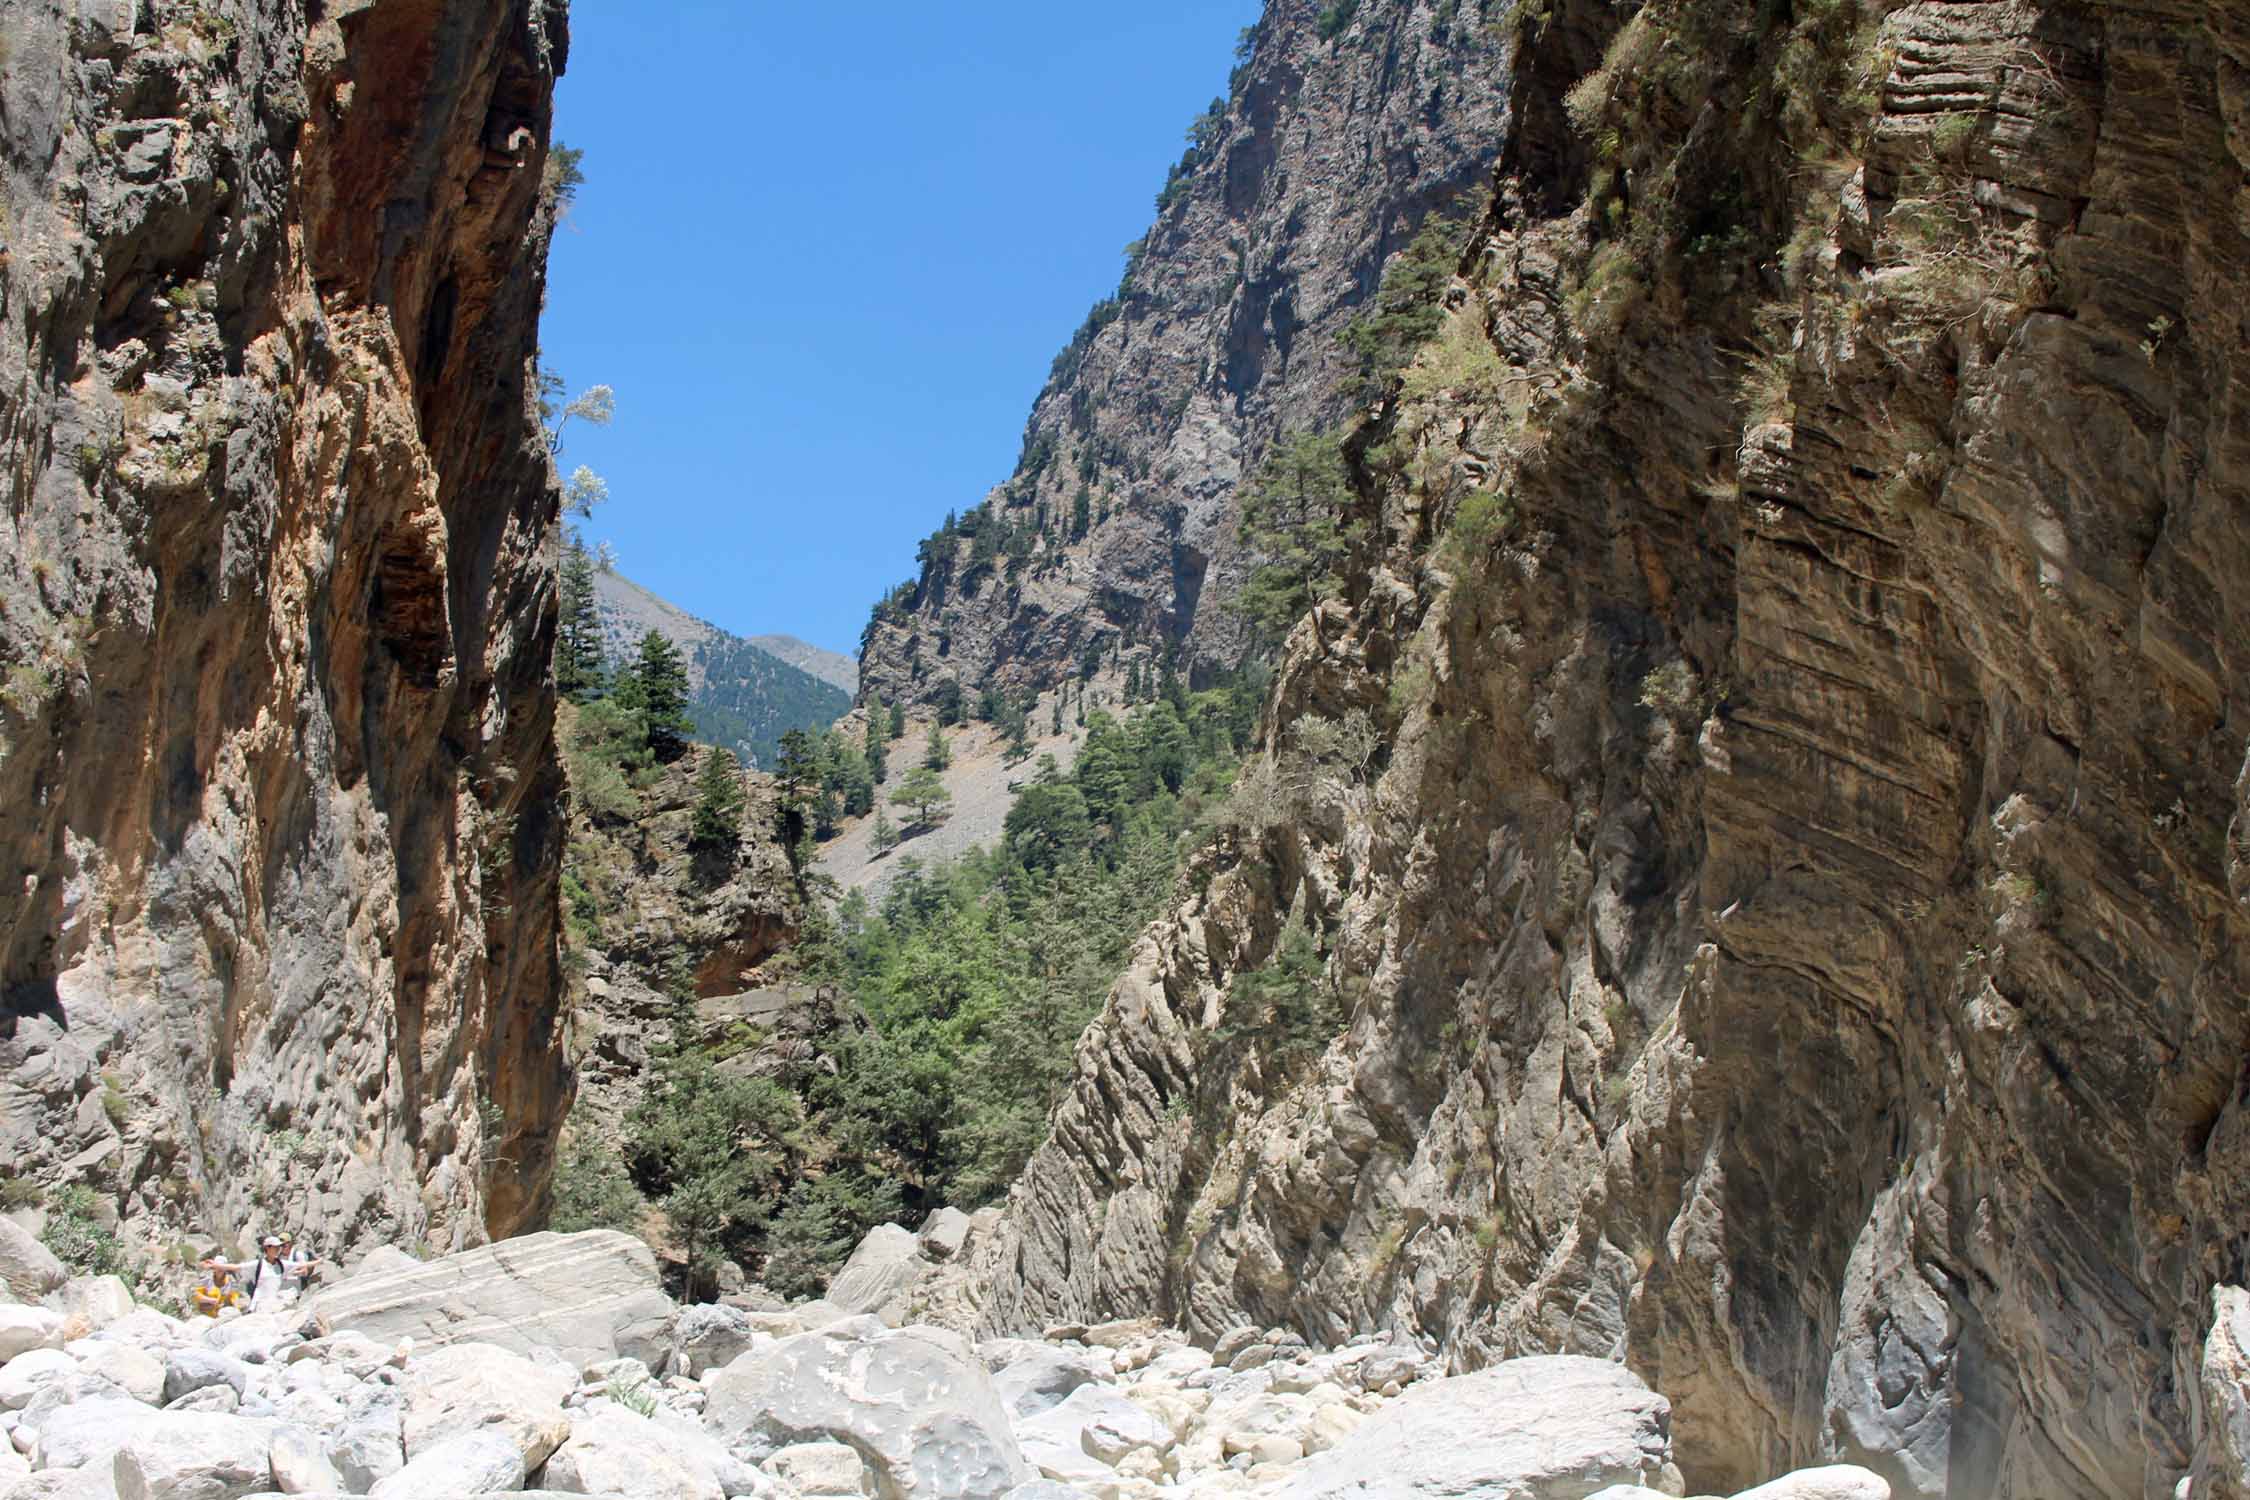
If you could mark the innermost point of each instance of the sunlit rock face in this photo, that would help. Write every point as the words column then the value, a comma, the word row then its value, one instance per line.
column 1787, row 927
column 279, row 796
column 1332, row 144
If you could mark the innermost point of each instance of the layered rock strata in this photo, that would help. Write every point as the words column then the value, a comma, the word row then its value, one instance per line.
column 1784, row 926
column 278, row 791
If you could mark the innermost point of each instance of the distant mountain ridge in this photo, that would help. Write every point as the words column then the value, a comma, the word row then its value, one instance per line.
column 743, row 693
column 829, row 666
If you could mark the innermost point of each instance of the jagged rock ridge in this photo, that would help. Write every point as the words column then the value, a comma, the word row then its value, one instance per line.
column 1788, row 928
column 277, row 567
column 1334, row 143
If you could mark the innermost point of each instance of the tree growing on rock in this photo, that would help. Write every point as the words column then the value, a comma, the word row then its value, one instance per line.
column 655, row 689
column 936, row 754
column 579, row 664
column 716, row 823
column 1293, row 516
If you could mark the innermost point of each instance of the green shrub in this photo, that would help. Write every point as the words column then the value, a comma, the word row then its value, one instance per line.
column 592, row 1190
column 78, row 1238
column 1334, row 17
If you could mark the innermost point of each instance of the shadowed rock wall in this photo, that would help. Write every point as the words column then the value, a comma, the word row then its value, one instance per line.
column 1789, row 930
column 279, row 793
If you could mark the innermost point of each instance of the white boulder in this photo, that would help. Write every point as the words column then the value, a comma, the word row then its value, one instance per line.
column 1553, row 1427
column 612, row 1451
column 480, row 1461
column 179, row 1455
column 912, row 1401
column 588, row 1297
column 24, row 1328
column 484, row 1388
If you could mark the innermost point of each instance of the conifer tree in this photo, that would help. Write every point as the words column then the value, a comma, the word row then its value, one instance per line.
column 578, row 634
column 921, row 791
column 936, row 756
column 885, row 836
column 660, row 696
column 878, row 744
column 717, row 819
column 898, row 721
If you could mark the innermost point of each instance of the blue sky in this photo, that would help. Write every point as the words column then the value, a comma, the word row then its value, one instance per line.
column 824, row 254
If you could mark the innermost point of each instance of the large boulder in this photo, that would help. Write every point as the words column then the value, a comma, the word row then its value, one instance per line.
column 1094, row 1422
column 485, row 1388
column 368, row 1447
column 913, row 1401
column 24, row 1328
column 943, row 1234
column 879, row 1275
column 86, row 1432
column 132, row 1369
column 613, row 1451
column 589, row 1297
column 22, row 1377
column 1033, row 1377
column 708, row 1335
column 479, row 1461
column 1833, row 1482
column 188, row 1370
column 95, row 1302
column 1554, row 1427
column 183, row 1455
column 28, row 1269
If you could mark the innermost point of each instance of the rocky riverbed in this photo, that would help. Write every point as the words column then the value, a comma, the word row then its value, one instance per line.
column 554, row 1364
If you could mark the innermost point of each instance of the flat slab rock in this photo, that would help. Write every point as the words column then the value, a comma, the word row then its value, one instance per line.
column 914, row 1402
column 589, row 1297
column 1553, row 1427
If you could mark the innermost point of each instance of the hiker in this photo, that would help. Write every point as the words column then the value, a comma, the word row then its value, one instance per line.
column 304, row 1267
column 264, row 1279
column 216, row 1293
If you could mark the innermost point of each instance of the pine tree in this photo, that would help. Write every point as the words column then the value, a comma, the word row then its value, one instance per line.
column 578, row 633
column 935, row 754
column 885, row 836
column 878, row 746
column 921, row 791
column 717, row 820
column 898, row 721
column 660, row 695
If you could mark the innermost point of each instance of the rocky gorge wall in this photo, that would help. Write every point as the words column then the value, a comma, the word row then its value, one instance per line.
column 279, row 794
column 1781, row 916
column 1337, row 137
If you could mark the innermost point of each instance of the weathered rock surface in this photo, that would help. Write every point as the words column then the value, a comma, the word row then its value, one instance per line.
column 913, row 1401
column 1789, row 928
column 1323, row 159
column 1553, row 1428
column 194, row 1456
column 589, row 1296
column 879, row 1274
column 613, row 1451
column 279, row 793
column 485, row 1389
column 28, row 1269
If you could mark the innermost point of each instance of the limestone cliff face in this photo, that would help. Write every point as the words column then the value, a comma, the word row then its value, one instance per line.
column 1335, row 142
column 651, row 919
column 279, row 795
column 1788, row 926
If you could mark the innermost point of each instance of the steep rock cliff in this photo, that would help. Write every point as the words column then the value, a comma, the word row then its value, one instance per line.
column 1345, row 126
column 279, row 792
column 1786, row 926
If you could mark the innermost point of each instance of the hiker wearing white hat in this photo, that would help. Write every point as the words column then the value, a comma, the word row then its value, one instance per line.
column 263, row 1279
